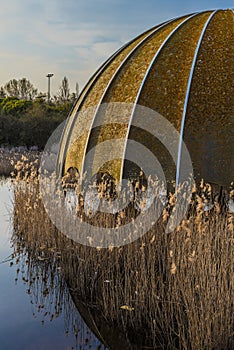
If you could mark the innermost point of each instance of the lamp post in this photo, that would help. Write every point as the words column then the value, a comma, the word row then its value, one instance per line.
column 49, row 75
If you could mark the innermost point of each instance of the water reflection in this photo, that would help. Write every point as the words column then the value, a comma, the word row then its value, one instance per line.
column 58, row 277
column 150, row 294
column 52, row 294
column 36, row 310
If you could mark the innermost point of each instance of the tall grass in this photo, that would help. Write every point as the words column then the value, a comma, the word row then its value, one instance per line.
column 163, row 291
column 10, row 157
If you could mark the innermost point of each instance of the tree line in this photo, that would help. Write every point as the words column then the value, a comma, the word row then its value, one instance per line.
column 27, row 118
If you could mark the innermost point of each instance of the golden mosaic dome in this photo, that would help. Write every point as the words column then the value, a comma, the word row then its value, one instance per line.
column 181, row 69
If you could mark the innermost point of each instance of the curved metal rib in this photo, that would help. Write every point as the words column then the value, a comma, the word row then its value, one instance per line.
column 187, row 98
column 152, row 32
column 76, row 107
column 140, row 89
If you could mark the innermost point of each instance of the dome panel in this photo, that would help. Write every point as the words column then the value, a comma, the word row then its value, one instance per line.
column 182, row 69
column 90, row 97
column 165, row 88
column 124, row 87
column 128, row 72
column 127, row 83
column 209, row 120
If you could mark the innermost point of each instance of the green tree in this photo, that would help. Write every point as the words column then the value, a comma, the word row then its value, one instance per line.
column 77, row 90
column 21, row 89
column 14, row 106
column 2, row 92
column 29, row 123
column 64, row 91
column 10, row 130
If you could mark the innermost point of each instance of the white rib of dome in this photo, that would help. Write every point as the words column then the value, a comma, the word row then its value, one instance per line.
column 142, row 84
column 126, row 59
column 187, row 98
column 72, row 118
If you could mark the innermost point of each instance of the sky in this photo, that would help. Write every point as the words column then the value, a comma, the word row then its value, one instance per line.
column 73, row 38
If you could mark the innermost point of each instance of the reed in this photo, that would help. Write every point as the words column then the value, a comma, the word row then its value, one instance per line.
column 163, row 291
column 10, row 157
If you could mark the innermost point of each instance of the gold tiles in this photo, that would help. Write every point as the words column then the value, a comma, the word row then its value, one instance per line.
column 126, row 78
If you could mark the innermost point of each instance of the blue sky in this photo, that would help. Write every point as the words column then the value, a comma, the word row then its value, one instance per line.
column 74, row 37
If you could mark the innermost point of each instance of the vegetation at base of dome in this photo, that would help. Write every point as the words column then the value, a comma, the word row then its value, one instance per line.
column 167, row 290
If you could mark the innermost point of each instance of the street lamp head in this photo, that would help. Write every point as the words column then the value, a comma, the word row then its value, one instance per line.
column 49, row 75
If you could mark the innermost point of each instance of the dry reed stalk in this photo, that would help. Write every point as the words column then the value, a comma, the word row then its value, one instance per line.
column 174, row 290
column 8, row 160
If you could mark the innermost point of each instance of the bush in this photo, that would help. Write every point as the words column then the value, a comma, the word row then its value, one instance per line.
column 15, row 106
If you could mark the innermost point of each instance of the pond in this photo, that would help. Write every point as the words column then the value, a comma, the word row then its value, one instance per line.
column 58, row 294
column 23, row 324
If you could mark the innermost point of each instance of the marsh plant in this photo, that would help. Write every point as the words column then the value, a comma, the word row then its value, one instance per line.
column 10, row 157
column 162, row 291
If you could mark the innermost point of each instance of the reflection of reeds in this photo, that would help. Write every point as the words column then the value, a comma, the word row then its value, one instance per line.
column 164, row 290
column 49, row 297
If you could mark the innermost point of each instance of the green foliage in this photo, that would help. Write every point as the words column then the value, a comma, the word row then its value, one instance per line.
column 29, row 123
column 15, row 106
column 10, row 128
column 27, row 119
column 64, row 91
column 2, row 93
column 21, row 89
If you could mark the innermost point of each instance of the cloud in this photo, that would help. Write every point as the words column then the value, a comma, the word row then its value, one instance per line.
column 32, row 67
column 74, row 38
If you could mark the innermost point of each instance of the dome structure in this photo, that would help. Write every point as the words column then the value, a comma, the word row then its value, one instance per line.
column 183, row 70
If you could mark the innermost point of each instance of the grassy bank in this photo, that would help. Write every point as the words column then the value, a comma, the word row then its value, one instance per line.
column 163, row 291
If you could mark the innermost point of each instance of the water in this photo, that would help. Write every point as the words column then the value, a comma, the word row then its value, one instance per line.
column 22, row 327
